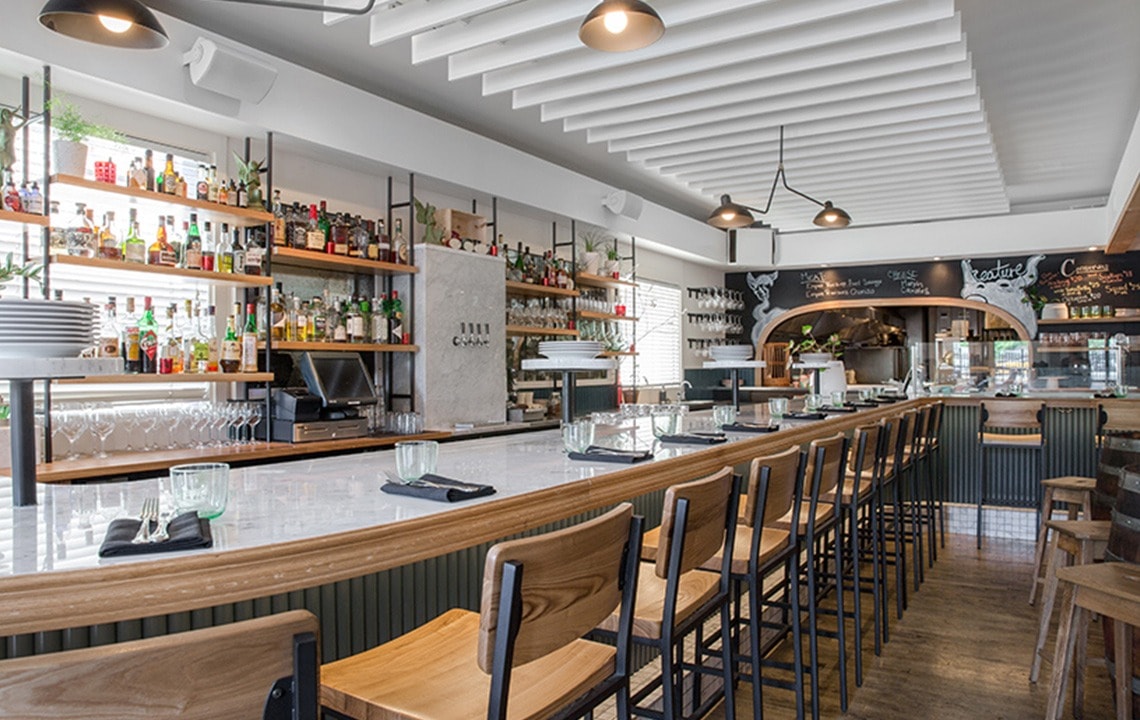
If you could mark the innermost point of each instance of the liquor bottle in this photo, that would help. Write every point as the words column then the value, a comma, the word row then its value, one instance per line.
column 341, row 237
column 12, row 200
column 396, row 320
column 35, row 200
column 180, row 241
column 148, row 339
column 209, row 330
column 203, row 186
column 240, row 195
column 193, row 252
column 249, row 340
column 318, row 320
column 340, row 328
column 361, row 238
column 366, row 320
column 134, row 249
column 212, row 184
column 325, row 227
column 277, row 315
column 226, row 251
column 301, row 318
column 169, row 176
column 493, row 251
column 130, row 351
column 381, row 246
column 223, row 193
column 136, row 176
column 262, row 316
column 231, row 349
column 314, row 235
column 279, row 233
column 298, row 228
column 254, row 252
column 378, row 330
column 354, row 323
column 169, row 346
column 80, row 234
column 400, row 252
column 148, row 171
column 232, row 194
column 108, row 243
column 109, row 331
column 209, row 254
column 58, row 229
column 161, row 252
column 191, row 340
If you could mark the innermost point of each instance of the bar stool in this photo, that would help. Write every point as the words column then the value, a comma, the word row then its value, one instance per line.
column 1075, row 542
column 1111, row 589
column 533, row 663
column 261, row 668
column 930, row 485
column 1013, row 425
column 911, row 489
column 1076, row 492
column 892, row 506
column 675, row 597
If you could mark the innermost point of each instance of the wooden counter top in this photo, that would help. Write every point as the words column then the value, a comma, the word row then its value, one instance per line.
column 304, row 523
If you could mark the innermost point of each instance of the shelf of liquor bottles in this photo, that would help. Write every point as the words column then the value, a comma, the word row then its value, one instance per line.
column 535, row 290
column 592, row 315
column 296, row 258
column 527, row 330
column 291, row 345
column 603, row 281
column 71, row 188
column 204, row 277
column 139, row 378
column 23, row 218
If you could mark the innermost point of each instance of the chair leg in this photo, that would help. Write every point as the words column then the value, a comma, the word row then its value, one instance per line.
column 884, row 597
column 623, row 702
column 1062, row 656
column 842, row 628
column 981, row 490
column 928, row 490
column 1049, row 596
column 916, row 526
column 670, row 687
column 1039, row 553
column 813, row 637
column 853, row 542
column 755, row 587
column 899, row 549
column 941, row 486
column 877, row 589
column 1122, row 634
column 797, row 636
column 726, row 660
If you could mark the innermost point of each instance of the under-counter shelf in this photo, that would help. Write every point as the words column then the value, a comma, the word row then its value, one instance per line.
column 288, row 345
column 1082, row 321
column 23, row 218
column 72, row 188
column 601, row 281
column 205, row 277
column 293, row 257
column 521, row 288
column 591, row 315
column 137, row 378
column 527, row 330
column 619, row 353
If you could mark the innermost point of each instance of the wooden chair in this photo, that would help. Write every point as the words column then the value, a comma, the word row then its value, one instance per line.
column 892, row 506
column 1011, row 425
column 675, row 597
column 930, row 485
column 263, row 668
column 522, row 655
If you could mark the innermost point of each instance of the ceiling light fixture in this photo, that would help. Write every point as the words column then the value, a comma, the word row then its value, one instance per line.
column 620, row 26
column 730, row 215
column 118, row 23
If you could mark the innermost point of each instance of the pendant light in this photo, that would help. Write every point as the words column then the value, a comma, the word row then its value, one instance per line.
column 118, row 23
column 731, row 216
column 620, row 26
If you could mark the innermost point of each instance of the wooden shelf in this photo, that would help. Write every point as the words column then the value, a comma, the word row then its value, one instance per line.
column 521, row 288
column 601, row 281
column 179, row 378
column 340, row 347
column 201, row 276
column 23, row 218
column 1083, row 321
column 591, row 315
column 622, row 353
column 526, row 330
column 292, row 257
column 1070, row 349
column 160, row 202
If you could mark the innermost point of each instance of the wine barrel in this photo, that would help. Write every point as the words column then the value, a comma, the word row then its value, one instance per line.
column 1124, row 546
column 1118, row 451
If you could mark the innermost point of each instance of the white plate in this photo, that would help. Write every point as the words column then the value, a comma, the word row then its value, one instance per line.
column 41, row 350
column 4, row 322
column 570, row 364
column 47, row 337
column 30, row 303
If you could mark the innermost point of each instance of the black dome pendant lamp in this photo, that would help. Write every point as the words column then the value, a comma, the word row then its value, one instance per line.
column 621, row 26
column 117, row 23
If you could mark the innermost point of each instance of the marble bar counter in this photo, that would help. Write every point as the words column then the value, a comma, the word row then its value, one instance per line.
column 303, row 523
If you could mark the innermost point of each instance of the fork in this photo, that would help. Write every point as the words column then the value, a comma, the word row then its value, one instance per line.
column 161, row 533
column 148, row 513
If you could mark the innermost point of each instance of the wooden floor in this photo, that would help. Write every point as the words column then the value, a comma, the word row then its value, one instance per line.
column 961, row 651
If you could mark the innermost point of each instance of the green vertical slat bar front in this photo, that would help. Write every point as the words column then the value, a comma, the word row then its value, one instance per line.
column 343, row 604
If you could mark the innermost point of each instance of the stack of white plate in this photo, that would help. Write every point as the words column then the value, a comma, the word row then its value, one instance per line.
column 45, row 328
column 570, row 349
column 731, row 353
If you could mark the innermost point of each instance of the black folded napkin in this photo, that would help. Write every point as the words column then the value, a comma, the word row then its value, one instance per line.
column 454, row 491
column 864, row 404
column 887, row 399
column 805, row 416
column 833, row 409
column 595, row 453
column 1006, row 395
column 187, row 532
column 750, row 427
column 1103, row 395
column 694, row 439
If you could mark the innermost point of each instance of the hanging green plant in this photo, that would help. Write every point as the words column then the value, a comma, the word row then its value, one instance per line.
column 69, row 122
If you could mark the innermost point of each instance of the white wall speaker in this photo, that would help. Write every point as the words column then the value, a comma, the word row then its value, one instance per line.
column 229, row 72
column 621, row 202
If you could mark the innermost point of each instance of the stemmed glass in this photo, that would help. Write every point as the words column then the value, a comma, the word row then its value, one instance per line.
column 129, row 420
column 73, row 424
column 219, row 421
column 103, row 425
column 255, row 411
column 148, row 421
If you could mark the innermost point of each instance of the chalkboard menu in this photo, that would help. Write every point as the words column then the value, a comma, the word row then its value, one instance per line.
column 1076, row 279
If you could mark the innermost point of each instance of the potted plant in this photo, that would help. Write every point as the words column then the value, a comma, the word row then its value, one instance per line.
column 10, row 271
column 1034, row 298
column 593, row 241
column 811, row 350
column 613, row 261
column 425, row 215
column 70, row 149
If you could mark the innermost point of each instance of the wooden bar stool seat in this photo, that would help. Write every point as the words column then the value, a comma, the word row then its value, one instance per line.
column 693, row 591
column 1111, row 589
column 1077, row 494
column 772, row 543
column 522, row 656
column 1009, row 425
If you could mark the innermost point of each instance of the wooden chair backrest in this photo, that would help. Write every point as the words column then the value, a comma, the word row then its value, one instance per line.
column 864, row 466
column 226, row 671
column 934, row 426
column 833, row 463
column 906, row 422
column 895, row 422
column 708, row 499
column 783, row 472
column 570, row 584
column 1119, row 416
column 1011, row 414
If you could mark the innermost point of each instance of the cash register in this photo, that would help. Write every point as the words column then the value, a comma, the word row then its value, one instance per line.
column 328, row 407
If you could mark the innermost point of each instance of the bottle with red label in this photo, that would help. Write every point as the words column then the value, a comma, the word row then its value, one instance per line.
column 148, row 339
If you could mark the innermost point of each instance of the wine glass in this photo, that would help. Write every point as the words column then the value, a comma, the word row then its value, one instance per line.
column 148, row 421
column 73, row 424
column 103, row 425
column 129, row 420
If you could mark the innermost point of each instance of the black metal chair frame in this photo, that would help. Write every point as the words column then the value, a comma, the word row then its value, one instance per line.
column 1039, row 450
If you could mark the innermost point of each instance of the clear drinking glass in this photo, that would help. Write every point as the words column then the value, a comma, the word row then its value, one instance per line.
column 813, row 402
column 416, row 458
column 665, row 421
column 777, row 408
column 838, row 398
column 203, row 487
column 578, row 436
column 724, row 414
